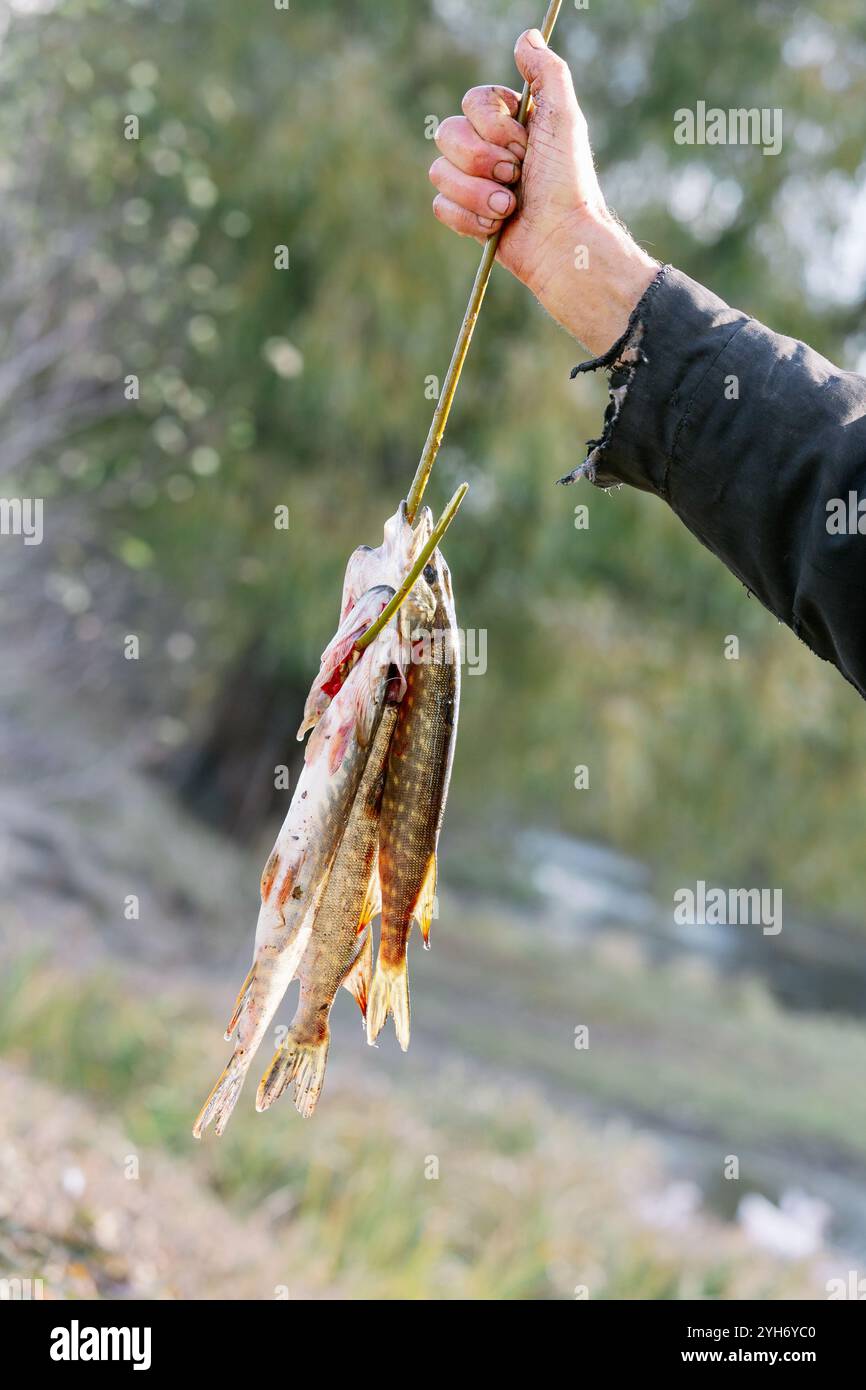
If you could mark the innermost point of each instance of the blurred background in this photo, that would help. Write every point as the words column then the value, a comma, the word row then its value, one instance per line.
column 164, row 388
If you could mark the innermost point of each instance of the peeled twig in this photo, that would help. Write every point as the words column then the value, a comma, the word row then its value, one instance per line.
column 464, row 337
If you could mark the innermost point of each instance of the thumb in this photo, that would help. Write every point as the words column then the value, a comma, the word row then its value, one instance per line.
column 543, row 69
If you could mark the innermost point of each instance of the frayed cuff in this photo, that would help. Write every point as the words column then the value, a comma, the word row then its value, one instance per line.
column 620, row 362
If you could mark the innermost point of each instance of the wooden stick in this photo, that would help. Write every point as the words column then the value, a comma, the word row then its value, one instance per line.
column 402, row 593
column 470, row 318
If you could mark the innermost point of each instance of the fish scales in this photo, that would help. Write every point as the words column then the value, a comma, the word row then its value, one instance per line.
column 413, row 803
column 337, row 940
column 298, row 867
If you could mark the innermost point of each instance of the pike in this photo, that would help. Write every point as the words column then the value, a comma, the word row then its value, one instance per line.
column 369, row 571
column 295, row 873
column 340, row 951
column 343, row 708
column 390, row 988
column 297, row 869
column 413, row 803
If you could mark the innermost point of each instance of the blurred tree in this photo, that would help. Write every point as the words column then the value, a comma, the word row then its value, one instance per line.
column 175, row 387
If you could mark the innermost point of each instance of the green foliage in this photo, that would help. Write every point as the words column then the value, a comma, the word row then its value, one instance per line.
column 306, row 387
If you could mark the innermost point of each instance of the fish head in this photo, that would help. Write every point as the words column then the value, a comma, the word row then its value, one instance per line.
column 436, row 629
column 351, row 714
column 382, row 564
column 362, row 563
column 339, row 656
column 440, row 582
column 372, row 577
column 389, row 562
column 421, row 603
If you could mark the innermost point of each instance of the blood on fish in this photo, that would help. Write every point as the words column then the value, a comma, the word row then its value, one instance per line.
column 270, row 873
column 287, row 889
column 331, row 687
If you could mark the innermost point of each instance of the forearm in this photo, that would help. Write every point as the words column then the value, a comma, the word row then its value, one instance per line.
column 749, row 437
column 592, row 278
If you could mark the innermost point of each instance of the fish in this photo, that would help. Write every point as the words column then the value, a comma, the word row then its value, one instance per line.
column 389, row 562
column 340, row 950
column 297, row 869
column 369, row 572
column 413, row 802
column 339, row 657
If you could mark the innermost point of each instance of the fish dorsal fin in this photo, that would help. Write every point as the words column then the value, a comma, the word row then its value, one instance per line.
column 357, row 981
column 427, row 901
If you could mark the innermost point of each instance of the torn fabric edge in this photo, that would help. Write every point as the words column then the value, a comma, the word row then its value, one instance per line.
column 620, row 362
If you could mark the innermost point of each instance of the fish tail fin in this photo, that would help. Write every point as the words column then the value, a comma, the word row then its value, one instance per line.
column 301, row 1060
column 389, row 994
column 357, row 981
column 223, row 1098
column 426, row 904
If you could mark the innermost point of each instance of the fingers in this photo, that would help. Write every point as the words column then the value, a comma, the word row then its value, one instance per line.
column 462, row 221
column 481, row 150
column 460, row 143
column 491, row 111
column 543, row 69
column 483, row 197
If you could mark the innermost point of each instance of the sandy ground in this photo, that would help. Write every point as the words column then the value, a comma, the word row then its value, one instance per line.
column 98, row 1217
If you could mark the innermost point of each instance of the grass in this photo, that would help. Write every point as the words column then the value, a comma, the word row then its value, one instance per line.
column 527, row 1204
column 711, row 1056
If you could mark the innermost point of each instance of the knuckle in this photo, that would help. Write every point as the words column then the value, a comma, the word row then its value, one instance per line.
column 480, row 163
column 478, row 98
column 447, row 128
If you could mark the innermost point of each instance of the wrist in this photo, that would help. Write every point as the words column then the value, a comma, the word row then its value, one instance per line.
column 592, row 278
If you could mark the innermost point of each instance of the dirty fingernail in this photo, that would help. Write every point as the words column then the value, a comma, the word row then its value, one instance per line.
column 499, row 201
column 517, row 150
column 505, row 171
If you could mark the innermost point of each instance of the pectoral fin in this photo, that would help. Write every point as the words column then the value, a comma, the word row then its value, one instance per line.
column 357, row 981
column 426, row 903
column 243, row 994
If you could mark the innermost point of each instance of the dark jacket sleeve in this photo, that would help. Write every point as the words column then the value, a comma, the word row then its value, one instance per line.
column 749, row 437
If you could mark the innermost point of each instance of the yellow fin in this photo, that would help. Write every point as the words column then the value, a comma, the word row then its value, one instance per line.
column 389, row 994
column 357, row 981
column 372, row 904
column 427, row 901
